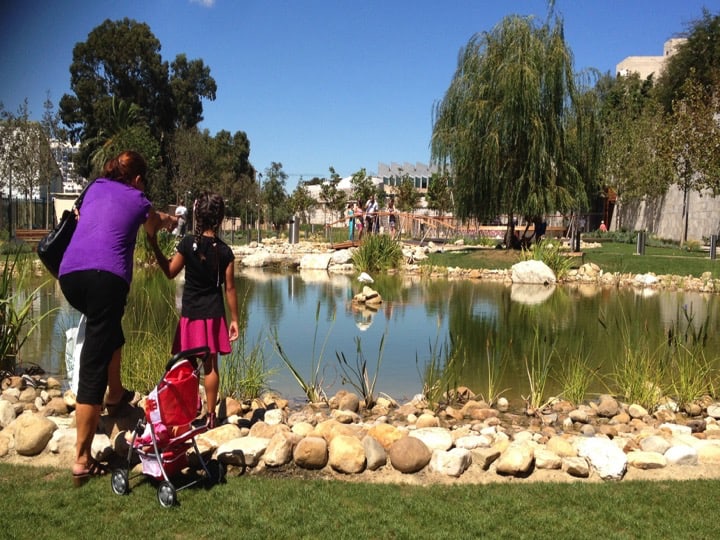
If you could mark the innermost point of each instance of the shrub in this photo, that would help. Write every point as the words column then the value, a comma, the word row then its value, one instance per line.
column 377, row 252
column 552, row 255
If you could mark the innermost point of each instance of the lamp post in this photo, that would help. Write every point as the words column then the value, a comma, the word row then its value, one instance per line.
column 257, row 209
column 247, row 205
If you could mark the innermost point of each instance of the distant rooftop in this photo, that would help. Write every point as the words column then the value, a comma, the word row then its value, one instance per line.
column 648, row 65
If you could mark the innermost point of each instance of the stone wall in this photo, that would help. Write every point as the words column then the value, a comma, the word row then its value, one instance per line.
column 663, row 216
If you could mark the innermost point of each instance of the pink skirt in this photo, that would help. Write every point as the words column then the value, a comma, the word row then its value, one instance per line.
column 192, row 333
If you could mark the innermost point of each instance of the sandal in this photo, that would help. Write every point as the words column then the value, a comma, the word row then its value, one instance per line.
column 94, row 469
column 113, row 408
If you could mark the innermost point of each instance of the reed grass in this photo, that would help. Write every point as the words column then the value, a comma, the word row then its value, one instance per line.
column 537, row 367
column 640, row 375
column 17, row 318
column 152, row 315
column 440, row 374
column 357, row 375
column 313, row 386
column 495, row 362
column 376, row 253
column 551, row 253
column 244, row 373
column 575, row 376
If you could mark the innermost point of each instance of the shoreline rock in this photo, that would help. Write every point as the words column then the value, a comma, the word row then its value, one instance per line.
column 408, row 443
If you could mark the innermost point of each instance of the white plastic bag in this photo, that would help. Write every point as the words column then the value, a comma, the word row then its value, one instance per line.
column 75, row 337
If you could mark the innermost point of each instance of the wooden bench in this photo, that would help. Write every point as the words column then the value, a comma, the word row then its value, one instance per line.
column 31, row 236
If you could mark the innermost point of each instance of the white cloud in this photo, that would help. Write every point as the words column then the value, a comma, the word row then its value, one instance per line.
column 204, row 3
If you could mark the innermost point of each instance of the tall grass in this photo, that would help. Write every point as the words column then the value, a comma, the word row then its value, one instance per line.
column 244, row 373
column 639, row 374
column 496, row 359
column 551, row 253
column 17, row 320
column 537, row 367
column 377, row 252
column 691, row 372
column 357, row 375
column 152, row 313
column 440, row 374
column 575, row 376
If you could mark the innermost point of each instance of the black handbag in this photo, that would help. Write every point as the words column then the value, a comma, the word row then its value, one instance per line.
column 52, row 247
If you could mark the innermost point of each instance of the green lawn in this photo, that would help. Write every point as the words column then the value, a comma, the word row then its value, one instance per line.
column 611, row 257
column 41, row 502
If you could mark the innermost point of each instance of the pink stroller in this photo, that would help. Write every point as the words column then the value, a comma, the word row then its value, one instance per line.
column 162, row 439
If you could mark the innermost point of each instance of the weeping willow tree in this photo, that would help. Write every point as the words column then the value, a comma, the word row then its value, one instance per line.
column 506, row 126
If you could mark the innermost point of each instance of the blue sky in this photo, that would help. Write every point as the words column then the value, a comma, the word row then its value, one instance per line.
column 315, row 83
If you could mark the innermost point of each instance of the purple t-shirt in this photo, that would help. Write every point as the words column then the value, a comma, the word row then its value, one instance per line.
column 110, row 217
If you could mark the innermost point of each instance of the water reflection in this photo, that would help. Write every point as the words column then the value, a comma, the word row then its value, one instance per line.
column 315, row 318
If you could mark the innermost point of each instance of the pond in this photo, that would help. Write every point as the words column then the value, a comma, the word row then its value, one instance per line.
column 492, row 330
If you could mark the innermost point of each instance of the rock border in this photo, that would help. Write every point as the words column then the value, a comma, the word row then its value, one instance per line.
column 465, row 442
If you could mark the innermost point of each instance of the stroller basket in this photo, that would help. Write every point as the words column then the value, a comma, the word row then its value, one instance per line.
column 163, row 438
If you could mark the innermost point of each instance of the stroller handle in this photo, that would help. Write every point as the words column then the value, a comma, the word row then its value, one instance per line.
column 190, row 354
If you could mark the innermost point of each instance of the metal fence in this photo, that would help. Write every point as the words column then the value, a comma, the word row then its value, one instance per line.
column 24, row 214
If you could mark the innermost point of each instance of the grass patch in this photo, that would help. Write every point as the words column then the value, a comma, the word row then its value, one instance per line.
column 377, row 252
column 244, row 373
column 610, row 257
column 259, row 508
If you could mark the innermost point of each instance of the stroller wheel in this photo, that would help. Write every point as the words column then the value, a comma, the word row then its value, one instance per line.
column 166, row 494
column 119, row 482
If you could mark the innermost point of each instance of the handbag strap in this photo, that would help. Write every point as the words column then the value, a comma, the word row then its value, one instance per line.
column 79, row 200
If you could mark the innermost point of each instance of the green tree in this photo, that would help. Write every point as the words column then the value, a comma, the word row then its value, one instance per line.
column 301, row 202
column 698, row 58
column 190, row 160
column 332, row 198
column 635, row 159
column 133, row 72
column 694, row 144
column 363, row 187
column 274, row 194
column 27, row 163
column 234, row 175
column 502, row 127
column 439, row 195
column 407, row 195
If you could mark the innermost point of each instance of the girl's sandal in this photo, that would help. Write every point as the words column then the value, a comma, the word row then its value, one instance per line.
column 94, row 468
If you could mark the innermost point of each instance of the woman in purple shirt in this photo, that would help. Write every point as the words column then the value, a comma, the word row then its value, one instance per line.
column 95, row 276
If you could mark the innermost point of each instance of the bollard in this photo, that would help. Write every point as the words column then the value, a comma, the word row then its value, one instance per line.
column 293, row 231
column 576, row 242
column 640, row 243
column 713, row 246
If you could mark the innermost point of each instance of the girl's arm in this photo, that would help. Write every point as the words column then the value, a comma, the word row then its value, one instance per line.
column 170, row 268
column 231, row 297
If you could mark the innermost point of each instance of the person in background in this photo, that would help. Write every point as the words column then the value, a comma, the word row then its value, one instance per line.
column 358, row 213
column 209, row 266
column 371, row 209
column 95, row 276
column 351, row 221
column 392, row 217
column 603, row 227
column 181, row 214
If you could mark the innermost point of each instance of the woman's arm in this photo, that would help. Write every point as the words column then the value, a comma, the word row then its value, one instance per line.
column 231, row 297
column 159, row 220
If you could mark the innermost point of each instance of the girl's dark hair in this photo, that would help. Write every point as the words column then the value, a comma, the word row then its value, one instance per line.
column 125, row 167
column 209, row 211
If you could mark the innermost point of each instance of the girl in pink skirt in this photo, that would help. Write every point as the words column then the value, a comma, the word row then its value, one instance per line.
column 209, row 264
